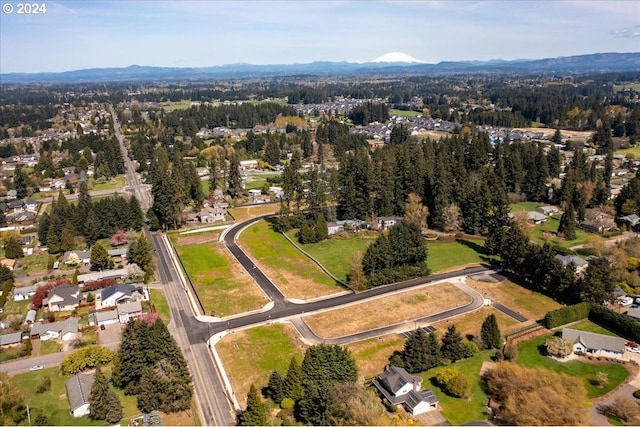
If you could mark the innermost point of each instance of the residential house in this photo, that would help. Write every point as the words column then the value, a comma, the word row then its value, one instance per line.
column 212, row 214
column 65, row 330
column 129, row 311
column 10, row 339
column 400, row 388
column 386, row 222
column 118, row 253
column 548, row 210
column 533, row 217
column 25, row 292
column 31, row 204
column 334, row 228
column 78, row 392
column 83, row 256
column 98, row 275
column 581, row 265
column 593, row 227
column 121, row 293
column 106, row 317
column 595, row 344
column 634, row 312
column 63, row 298
column 633, row 219
column 255, row 192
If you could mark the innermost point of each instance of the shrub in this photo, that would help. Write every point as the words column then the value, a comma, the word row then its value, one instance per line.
column 510, row 351
column 287, row 403
column 567, row 314
column 619, row 323
column 498, row 356
column 453, row 382
column 636, row 394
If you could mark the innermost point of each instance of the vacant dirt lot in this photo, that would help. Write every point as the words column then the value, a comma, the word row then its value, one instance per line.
column 387, row 310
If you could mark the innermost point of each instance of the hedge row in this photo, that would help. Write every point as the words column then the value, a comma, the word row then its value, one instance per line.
column 621, row 324
column 568, row 314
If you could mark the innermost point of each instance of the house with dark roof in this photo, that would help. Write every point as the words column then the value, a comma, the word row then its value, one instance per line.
column 78, row 392
column 121, row 293
column 592, row 343
column 63, row 298
column 25, row 292
column 581, row 265
column 400, row 388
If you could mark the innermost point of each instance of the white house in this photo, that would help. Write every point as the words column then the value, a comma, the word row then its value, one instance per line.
column 107, row 317
column 65, row 330
column 63, row 298
column 400, row 388
column 595, row 344
column 25, row 292
column 78, row 391
column 129, row 311
column 106, row 274
column 548, row 210
column 121, row 293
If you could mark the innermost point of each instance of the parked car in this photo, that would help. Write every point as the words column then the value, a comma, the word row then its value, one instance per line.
column 626, row 301
column 631, row 344
column 36, row 368
column 633, row 349
column 102, row 327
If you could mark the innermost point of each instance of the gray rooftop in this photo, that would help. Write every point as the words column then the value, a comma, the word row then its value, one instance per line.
column 594, row 341
column 394, row 378
column 9, row 339
column 62, row 327
column 568, row 259
column 103, row 316
column 107, row 274
column 78, row 390
column 130, row 307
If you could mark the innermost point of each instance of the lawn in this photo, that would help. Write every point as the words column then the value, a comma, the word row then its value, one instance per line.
column 49, row 346
column 160, row 304
column 530, row 356
column 523, row 206
column 10, row 353
column 35, row 262
column 634, row 151
column 443, row 256
column 249, row 356
column 115, row 183
column 460, row 411
column 335, row 253
column 404, row 113
column 589, row 326
column 178, row 105
column 218, row 280
column 545, row 232
column 372, row 355
column 294, row 274
column 54, row 403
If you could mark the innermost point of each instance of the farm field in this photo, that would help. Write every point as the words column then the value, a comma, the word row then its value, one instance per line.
column 246, row 212
column 295, row 275
column 392, row 309
column 404, row 113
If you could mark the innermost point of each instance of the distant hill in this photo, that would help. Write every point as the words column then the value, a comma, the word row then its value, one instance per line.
column 395, row 63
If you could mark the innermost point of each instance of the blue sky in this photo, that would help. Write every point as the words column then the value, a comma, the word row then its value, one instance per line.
column 90, row 34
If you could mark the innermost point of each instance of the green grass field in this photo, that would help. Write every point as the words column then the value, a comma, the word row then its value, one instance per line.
column 274, row 250
column 54, row 403
column 634, row 152
column 589, row 326
column 160, row 303
column 447, row 255
column 178, row 105
column 545, row 232
column 404, row 113
column 631, row 86
column 531, row 356
column 215, row 284
column 113, row 184
column 335, row 254
column 48, row 347
column 461, row 411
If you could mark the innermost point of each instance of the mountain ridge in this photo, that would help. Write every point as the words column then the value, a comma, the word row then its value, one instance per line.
column 598, row 62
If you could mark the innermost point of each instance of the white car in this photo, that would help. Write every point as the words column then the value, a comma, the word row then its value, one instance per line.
column 36, row 368
column 633, row 349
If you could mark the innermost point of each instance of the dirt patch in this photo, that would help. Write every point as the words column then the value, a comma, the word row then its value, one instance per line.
column 184, row 418
column 470, row 323
column 486, row 366
column 296, row 287
column 247, row 212
column 389, row 310
column 372, row 355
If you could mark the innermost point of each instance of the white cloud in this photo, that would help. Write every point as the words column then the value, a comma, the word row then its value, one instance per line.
column 626, row 33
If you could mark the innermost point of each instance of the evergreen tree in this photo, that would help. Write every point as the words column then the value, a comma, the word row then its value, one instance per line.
column 272, row 153
column 98, row 405
column 43, row 228
column 490, row 333
column 316, row 405
column 452, row 345
column 256, row 413
column 292, row 385
column 99, row 256
column 328, row 364
column 140, row 252
column 567, row 224
column 136, row 216
column 20, row 182
column 67, row 237
column 13, row 248
column 415, row 355
column 599, row 282
column 275, row 387
column 214, row 175
column 166, row 197
column 234, row 188
column 114, row 408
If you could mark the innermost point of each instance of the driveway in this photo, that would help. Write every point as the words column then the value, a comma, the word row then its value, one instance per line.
column 111, row 336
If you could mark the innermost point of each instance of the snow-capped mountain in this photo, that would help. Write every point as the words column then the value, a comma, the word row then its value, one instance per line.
column 398, row 57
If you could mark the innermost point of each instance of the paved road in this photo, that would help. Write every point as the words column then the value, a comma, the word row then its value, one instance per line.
column 19, row 366
column 516, row 316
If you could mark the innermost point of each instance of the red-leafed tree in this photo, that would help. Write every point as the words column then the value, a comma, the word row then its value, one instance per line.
column 43, row 291
column 119, row 238
column 98, row 284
